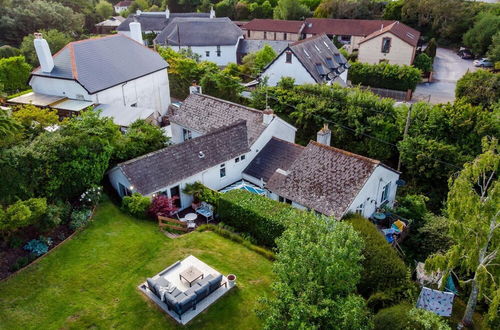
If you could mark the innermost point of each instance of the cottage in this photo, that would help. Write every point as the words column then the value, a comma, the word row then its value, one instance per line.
column 113, row 70
column 325, row 179
column 395, row 44
column 109, row 25
column 122, row 6
column 213, row 39
column 273, row 29
column 314, row 60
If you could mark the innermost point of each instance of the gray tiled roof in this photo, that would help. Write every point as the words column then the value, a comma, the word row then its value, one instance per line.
column 203, row 114
column 167, row 166
column 102, row 63
column 276, row 154
column 316, row 50
column 199, row 32
column 324, row 178
column 154, row 21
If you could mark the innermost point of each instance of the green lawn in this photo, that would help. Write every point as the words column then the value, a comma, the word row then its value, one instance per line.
column 91, row 281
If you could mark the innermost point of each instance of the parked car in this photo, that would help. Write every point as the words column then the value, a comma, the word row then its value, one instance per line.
column 483, row 63
column 465, row 53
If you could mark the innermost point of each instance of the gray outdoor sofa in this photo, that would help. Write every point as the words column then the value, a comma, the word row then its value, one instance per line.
column 178, row 301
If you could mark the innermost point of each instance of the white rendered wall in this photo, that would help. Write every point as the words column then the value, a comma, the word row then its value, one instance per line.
column 59, row 87
column 178, row 135
column 371, row 192
column 116, row 177
column 279, row 69
column 228, row 53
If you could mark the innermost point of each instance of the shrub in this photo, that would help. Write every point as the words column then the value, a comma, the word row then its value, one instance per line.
column 79, row 218
column 260, row 217
column 9, row 51
column 14, row 73
column 382, row 267
column 481, row 87
column 22, row 262
column 162, row 205
column 37, row 247
column 22, row 214
column 92, row 196
column 431, row 48
column 53, row 217
column 423, row 62
column 383, row 75
column 16, row 242
column 405, row 316
column 136, row 205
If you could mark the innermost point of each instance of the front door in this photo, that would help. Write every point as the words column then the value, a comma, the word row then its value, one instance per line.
column 176, row 192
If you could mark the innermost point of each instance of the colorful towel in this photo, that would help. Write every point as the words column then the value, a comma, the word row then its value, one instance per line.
column 436, row 301
column 400, row 224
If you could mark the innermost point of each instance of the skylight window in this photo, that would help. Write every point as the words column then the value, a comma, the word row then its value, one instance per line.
column 307, row 54
column 320, row 69
column 337, row 57
column 317, row 48
column 329, row 63
column 326, row 45
column 410, row 35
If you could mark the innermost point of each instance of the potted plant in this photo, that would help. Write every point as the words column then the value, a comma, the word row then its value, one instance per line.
column 194, row 189
column 231, row 279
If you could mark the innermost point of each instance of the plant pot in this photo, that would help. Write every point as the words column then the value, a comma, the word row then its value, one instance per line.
column 195, row 205
column 231, row 280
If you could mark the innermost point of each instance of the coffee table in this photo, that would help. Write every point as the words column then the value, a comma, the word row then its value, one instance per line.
column 191, row 274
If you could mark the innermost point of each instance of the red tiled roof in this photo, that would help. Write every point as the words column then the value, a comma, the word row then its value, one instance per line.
column 124, row 3
column 273, row 25
column 400, row 30
column 350, row 27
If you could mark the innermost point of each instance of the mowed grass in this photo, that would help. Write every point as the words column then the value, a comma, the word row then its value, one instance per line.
column 91, row 281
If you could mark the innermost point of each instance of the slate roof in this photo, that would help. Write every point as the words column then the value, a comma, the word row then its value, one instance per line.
column 276, row 154
column 324, row 178
column 124, row 3
column 273, row 25
column 167, row 166
column 203, row 114
column 339, row 27
column 318, row 53
column 247, row 46
column 400, row 30
column 101, row 63
column 155, row 20
column 199, row 32
column 112, row 21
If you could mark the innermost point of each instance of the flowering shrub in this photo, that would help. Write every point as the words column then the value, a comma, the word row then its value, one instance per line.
column 91, row 196
column 163, row 205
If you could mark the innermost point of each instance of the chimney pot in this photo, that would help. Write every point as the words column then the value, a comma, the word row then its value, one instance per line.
column 43, row 53
column 324, row 135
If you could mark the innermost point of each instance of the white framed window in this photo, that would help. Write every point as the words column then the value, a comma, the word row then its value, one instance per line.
column 243, row 157
column 222, row 170
column 207, row 53
column 237, row 160
column 385, row 193
column 218, row 51
column 360, row 209
column 186, row 134
column 288, row 57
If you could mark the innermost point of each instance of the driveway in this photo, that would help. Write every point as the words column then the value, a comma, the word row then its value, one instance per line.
column 448, row 68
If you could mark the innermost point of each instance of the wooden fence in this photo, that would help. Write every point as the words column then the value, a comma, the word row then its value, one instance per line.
column 165, row 222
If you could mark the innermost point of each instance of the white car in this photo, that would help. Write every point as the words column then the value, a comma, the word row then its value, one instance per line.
column 483, row 63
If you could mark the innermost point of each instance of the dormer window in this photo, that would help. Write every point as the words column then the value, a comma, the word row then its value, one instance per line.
column 288, row 57
column 320, row 69
column 386, row 45
column 329, row 62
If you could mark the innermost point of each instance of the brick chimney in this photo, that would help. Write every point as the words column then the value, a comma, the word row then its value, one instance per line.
column 324, row 135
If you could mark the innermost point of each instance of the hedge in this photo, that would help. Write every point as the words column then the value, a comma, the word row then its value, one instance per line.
column 14, row 73
column 383, row 269
column 258, row 216
column 383, row 75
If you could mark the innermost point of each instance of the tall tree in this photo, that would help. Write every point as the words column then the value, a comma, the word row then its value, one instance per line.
column 291, row 9
column 104, row 9
column 494, row 50
column 56, row 40
column 317, row 269
column 479, row 88
column 473, row 210
column 479, row 37
column 14, row 74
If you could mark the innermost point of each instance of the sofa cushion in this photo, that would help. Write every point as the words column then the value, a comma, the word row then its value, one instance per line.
column 202, row 292
column 186, row 302
column 204, row 280
column 172, row 302
column 176, row 292
column 162, row 281
column 151, row 285
column 215, row 283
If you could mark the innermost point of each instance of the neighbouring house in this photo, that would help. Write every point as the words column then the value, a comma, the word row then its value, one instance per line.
column 122, row 6
column 113, row 71
column 395, row 44
column 322, row 178
column 213, row 39
column 273, row 29
column 247, row 46
column 314, row 60
column 214, row 140
column 154, row 22
column 109, row 25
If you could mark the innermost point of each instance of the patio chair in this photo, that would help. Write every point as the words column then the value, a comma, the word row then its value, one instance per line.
column 191, row 225
column 180, row 219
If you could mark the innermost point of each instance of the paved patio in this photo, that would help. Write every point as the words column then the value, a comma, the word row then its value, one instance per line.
column 171, row 274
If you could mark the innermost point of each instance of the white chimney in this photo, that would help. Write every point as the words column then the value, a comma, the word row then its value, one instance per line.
column 43, row 52
column 324, row 135
column 268, row 116
column 212, row 12
column 167, row 13
column 135, row 32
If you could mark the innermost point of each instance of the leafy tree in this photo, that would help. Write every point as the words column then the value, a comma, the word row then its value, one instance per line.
column 35, row 119
column 479, row 88
column 494, row 50
column 241, row 11
column 423, row 62
column 254, row 63
column 265, row 10
column 225, row 8
column 317, row 268
column 479, row 37
column 357, row 9
column 431, row 48
column 9, row 51
column 22, row 214
column 291, row 9
column 392, row 10
column 405, row 316
column 56, row 40
column 8, row 126
column 104, row 9
column 29, row 16
column 14, row 73
column 222, row 84
column 472, row 209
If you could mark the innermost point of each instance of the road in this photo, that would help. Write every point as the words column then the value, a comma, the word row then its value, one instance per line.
column 448, row 68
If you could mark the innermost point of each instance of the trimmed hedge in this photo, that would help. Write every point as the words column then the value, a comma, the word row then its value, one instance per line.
column 383, row 269
column 260, row 217
column 383, row 75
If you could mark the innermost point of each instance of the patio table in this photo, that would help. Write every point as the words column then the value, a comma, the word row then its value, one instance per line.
column 190, row 217
column 191, row 274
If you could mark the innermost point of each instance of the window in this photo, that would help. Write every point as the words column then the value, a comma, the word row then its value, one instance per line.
column 265, row 35
column 243, row 157
column 237, row 160
column 320, row 69
column 284, row 36
column 218, row 51
column 386, row 45
column 288, row 57
column 207, row 53
column 329, row 62
column 124, row 191
column 360, row 209
column 337, row 58
column 284, row 200
column 385, row 193
column 134, row 105
column 274, row 35
column 186, row 134
column 222, row 170
column 248, row 33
